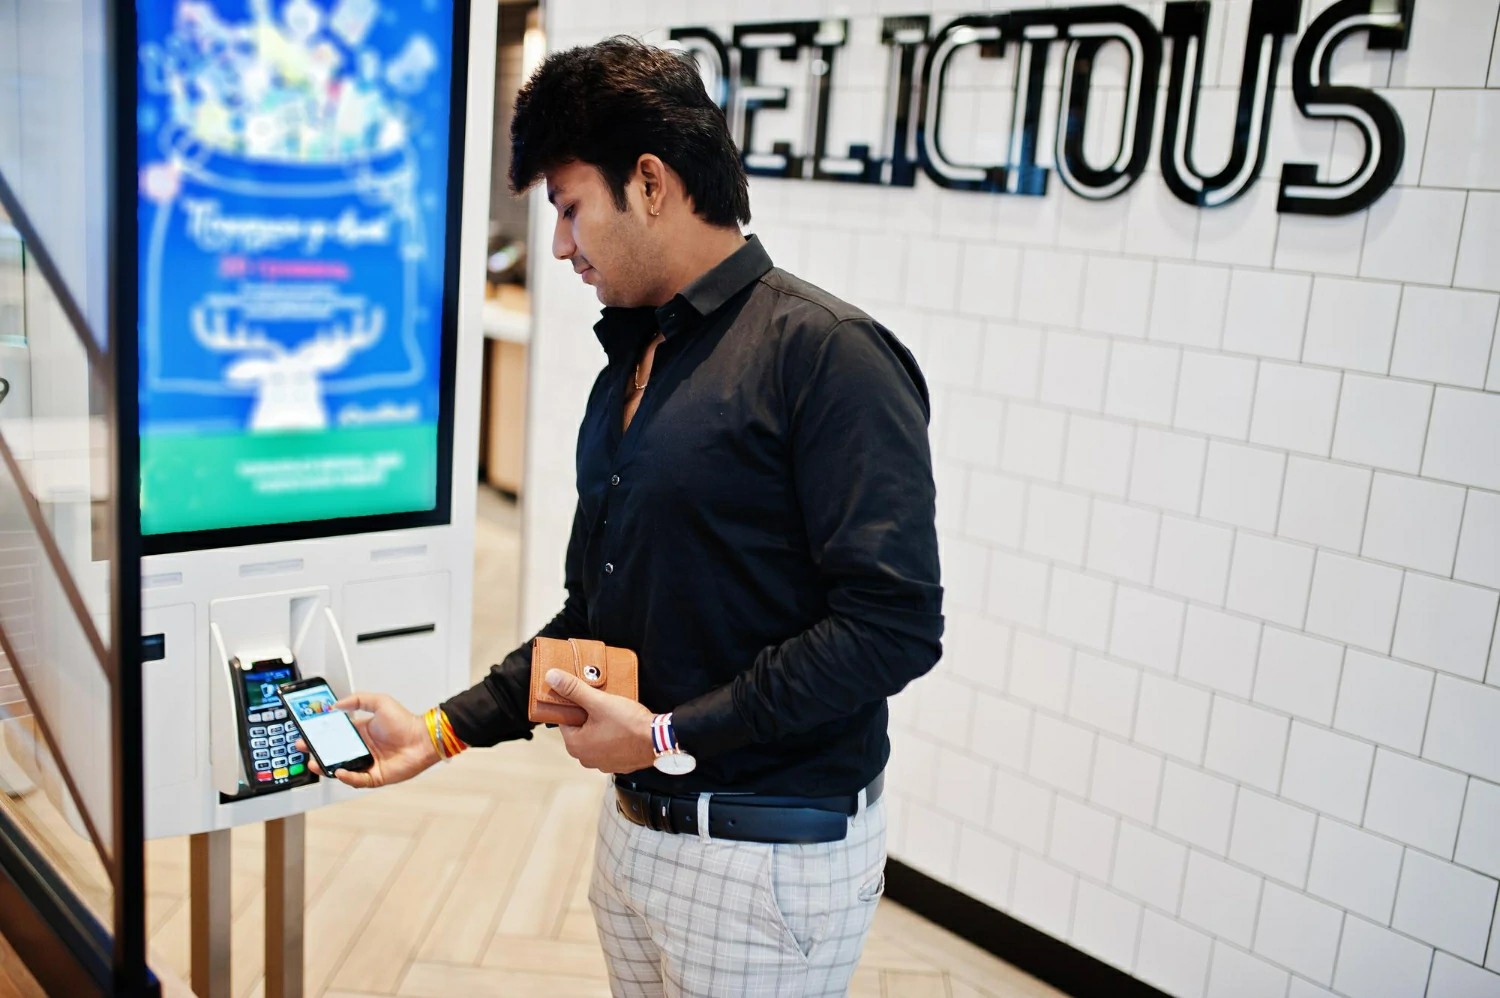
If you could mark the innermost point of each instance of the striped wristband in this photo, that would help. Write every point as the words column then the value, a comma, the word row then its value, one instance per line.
column 663, row 737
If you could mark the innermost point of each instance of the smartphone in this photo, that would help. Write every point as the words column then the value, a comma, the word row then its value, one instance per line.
column 329, row 733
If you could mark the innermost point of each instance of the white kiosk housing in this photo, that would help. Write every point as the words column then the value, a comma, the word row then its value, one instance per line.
column 381, row 600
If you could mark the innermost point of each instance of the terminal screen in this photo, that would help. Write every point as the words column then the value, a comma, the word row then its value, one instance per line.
column 293, row 168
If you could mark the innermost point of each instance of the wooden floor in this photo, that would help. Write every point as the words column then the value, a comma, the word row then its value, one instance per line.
column 471, row 882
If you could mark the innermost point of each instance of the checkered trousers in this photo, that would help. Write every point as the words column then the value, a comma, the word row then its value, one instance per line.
column 687, row 916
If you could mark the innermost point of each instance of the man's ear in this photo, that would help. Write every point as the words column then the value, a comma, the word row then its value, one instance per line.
column 653, row 174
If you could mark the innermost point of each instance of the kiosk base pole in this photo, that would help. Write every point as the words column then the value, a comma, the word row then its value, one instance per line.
column 210, row 913
column 286, row 872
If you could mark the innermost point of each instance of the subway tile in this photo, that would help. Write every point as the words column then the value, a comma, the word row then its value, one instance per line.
column 1479, row 540
column 988, row 866
column 1147, row 629
column 1270, row 579
column 1294, row 408
column 1414, row 107
column 1463, row 444
column 1445, row 905
column 1479, row 832
column 1173, row 957
column 989, row 283
column 1043, row 894
column 1375, row 962
column 1083, row 839
column 1196, row 807
column 1320, row 245
column 953, row 352
column 1117, row 295
column 1479, row 246
column 1464, row 729
column 1051, row 286
column 879, row 270
column 963, row 786
column 1167, row 470
column 1215, row 394
column 1149, row 867
column 1298, row 932
column 1382, row 422
column 1246, row 743
column 1449, row 48
column 1172, row 717
column 965, row 565
column 975, row 429
column 1306, row 989
column 1446, row 625
column 1012, row 361
column 1327, row 771
column 1220, row 899
column 1022, row 811
column 1219, row 650
column 1413, row 523
column 1098, row 455
column 1267, row 313
column 1103, row 694
column 1192, row 559
column 1187, row 306
column 1061, row 754
column 1234, row 974
column 1443, row 335
column 1127, row 780
column 1324, row 503
column 1351, row 324
column 1122, row 541
column 946, row 708
column 1355, row 870
column 1383, row 700
column 1242, row 485
column 1017, row 589
column 995, row 509
column 1092, row 225
column 1298, row 674
column 1056, row 524
column 1243, row 231
column 1415, row 802
column 1028, row 221
column 1413, row 235
column 977, row 649
column 932, row 270
column 1142, row 382
column 1106, row 925
column 1039, row 671
column 1454, row 978
column 1353, row 601
column 1034, row 439
column 1002, row 731
column 1160, row 225
column 931, row 845
column 951, row 481
column 1073, row 371
column 1272, row 836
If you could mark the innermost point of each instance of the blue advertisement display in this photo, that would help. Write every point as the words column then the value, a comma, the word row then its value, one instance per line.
column 293, row 161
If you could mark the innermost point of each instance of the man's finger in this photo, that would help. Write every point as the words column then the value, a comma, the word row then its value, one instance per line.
column 360, row 701
column 573, row 688
column 359, row 781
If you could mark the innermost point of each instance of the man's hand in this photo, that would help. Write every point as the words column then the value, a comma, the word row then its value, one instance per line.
column 397, row 738
column 616, row 738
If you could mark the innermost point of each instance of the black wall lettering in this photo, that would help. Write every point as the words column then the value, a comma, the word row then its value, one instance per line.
column 1385, row 141
column 788, row 38
column 906, row 36
column 712, row 56
column 1186, row 25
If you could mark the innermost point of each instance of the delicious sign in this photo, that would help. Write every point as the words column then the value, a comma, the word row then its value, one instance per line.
column 921, row 61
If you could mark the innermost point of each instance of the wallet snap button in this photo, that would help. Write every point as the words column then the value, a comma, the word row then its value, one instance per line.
column 591, row 673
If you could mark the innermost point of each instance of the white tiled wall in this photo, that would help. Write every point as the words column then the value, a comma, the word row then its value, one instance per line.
column 1220, row 513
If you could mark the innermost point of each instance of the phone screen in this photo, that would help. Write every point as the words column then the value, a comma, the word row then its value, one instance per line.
column 329, row 732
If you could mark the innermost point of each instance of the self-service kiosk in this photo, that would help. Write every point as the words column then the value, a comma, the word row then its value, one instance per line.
column 313, row 182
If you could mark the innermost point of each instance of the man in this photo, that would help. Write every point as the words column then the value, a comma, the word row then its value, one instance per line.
column 755, row 519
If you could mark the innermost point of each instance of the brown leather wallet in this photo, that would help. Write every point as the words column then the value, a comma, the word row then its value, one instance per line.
column 612, row 670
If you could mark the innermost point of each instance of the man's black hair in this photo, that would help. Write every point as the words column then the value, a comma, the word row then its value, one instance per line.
column 610, row 103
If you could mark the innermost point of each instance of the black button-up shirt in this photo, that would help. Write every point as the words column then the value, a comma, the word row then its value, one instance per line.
column 762, row 535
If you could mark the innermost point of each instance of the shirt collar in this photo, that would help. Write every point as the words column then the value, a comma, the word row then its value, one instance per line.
column 694, row 303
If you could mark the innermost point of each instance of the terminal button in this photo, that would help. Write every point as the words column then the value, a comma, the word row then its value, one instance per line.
column 280, row 714
column 262, row 763
column 298, row 769
column 273, row 729
column 258, row 743
column 257, row 732
column 263, row 777
column 282, row 774
column 260, row 753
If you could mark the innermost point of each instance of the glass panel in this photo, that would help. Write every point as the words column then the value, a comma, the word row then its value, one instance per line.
column 54, row 682
column 52, row 137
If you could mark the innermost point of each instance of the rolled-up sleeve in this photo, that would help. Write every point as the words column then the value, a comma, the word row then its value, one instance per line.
column 858, row 438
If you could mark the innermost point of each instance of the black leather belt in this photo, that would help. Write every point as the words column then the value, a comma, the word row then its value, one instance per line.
column 747, row 817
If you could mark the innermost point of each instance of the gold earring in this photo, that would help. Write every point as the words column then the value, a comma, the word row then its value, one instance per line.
column 656, row 209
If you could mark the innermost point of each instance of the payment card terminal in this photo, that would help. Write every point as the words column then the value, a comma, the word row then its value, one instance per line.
column 267, row 732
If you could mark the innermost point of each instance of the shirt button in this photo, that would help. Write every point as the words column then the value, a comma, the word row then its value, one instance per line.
column 609, row 568
column 614, row 479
